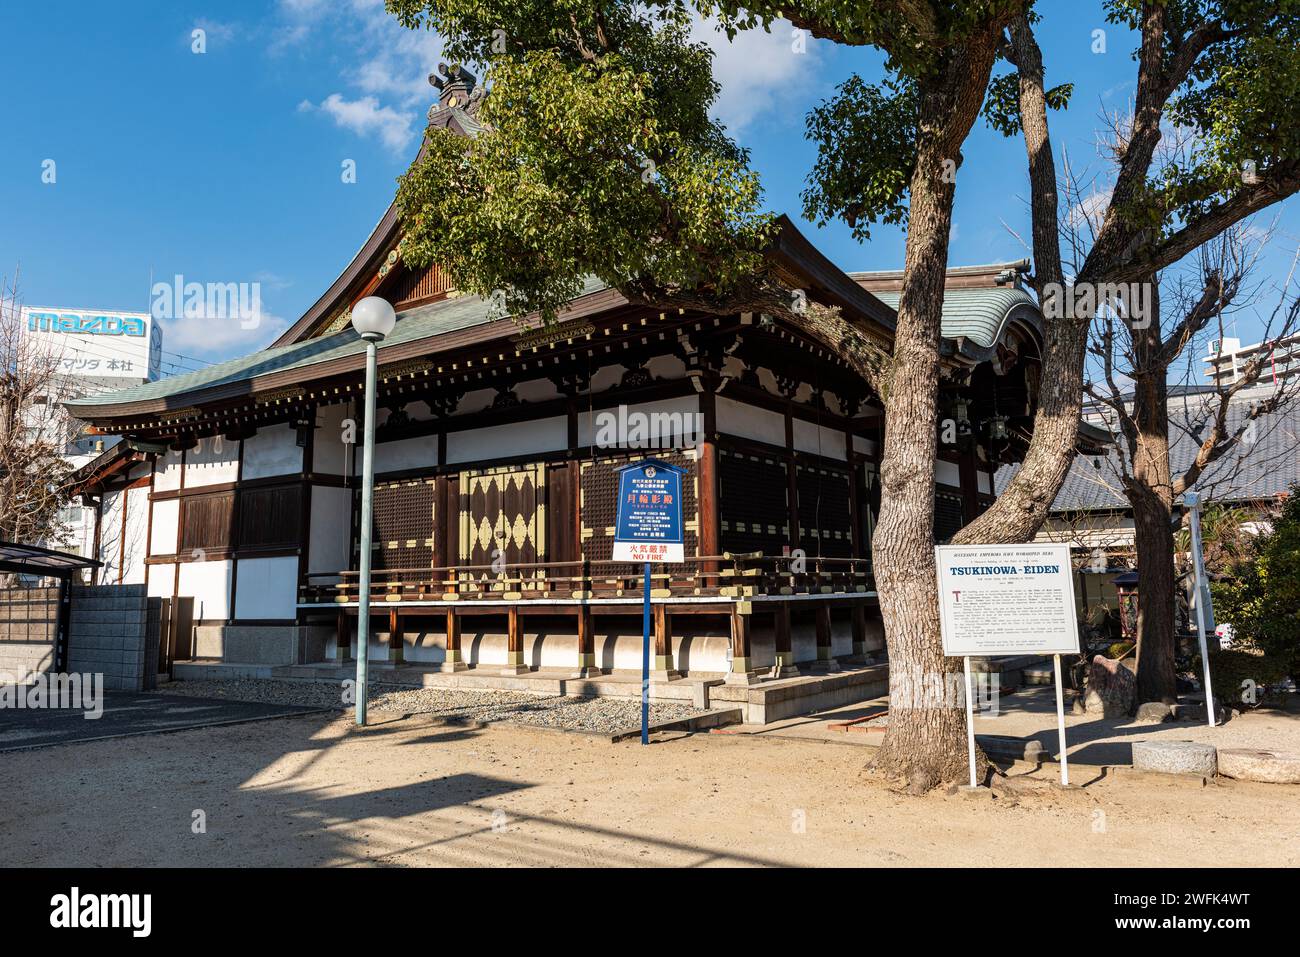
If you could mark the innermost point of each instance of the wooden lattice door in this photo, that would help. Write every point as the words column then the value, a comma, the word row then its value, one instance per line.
column 405, row 520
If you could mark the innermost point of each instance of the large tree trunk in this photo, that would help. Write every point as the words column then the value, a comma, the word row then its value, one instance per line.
column 1022, row 507
column 925, row 743
column 1150, row 492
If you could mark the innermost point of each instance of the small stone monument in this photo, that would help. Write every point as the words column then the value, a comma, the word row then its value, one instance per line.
column 1112, row 689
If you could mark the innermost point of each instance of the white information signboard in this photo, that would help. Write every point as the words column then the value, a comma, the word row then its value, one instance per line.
column 1007, row 600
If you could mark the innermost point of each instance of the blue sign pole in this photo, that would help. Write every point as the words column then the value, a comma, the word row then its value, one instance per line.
column 645, row 662
column 648, row 529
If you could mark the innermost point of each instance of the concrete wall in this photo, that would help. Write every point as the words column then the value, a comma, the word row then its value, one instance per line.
column 114, row 632
column 249, row 644
column 28, row 620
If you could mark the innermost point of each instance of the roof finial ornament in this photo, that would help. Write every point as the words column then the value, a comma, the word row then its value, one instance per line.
column 457, row 89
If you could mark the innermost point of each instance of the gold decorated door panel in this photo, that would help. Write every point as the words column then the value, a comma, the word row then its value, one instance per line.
column 503, row 517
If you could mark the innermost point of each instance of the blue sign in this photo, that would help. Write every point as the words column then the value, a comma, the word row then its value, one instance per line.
column 86, row 324
column 649, row 524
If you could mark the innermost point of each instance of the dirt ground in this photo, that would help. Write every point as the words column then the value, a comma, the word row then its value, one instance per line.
column 314, row 790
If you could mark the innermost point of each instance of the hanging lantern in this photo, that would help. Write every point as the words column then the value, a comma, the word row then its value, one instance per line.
column 961, row 410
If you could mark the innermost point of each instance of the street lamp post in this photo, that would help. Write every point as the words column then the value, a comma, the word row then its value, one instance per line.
column 373, row 318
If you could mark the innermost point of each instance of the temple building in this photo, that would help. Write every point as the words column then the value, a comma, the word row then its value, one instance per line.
column 237, row 487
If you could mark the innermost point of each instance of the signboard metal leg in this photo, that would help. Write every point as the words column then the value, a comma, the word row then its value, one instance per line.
column 1060, row 721
column 645, row 662
column 1198, row 564
column 970, row 718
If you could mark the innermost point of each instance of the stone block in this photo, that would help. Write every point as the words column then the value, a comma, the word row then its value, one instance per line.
column 1175, row 757
column 1112, row 689
column 1153, row 712
column 1271, row 767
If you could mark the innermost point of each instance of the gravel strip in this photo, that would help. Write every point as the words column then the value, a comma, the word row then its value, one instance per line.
column 564, row 712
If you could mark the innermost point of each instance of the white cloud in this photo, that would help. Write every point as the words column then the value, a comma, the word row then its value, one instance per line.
column 204, row 337
column 389, row 82
column 213, row 30
column 1089, row 212
column 390, row 89
column 758, row 70
column 366, row 117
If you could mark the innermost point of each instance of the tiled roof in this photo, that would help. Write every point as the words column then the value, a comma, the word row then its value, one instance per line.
column 976, row 315
column 422, row 322
column 971, row 316
column 1264, row 464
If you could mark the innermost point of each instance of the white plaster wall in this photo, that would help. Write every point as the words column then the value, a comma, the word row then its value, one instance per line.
column 701, row 653
column 166, row 515
column 110, row 536
column 476, row 401
column 209, row 584
column 483, row 643
column 329, row 454
column 750, row 422
column 416, row 453
column 947, row 473
column 666, row 367
column 536, row 390
column 686, row 408
column 267, row 587
column 426, row 646
column 213, row 461
column 272, row 451
column 864, row 445
column 415, row 411
column 161, row 580
column 607, row 377
column 831, row 445
column 167, row 472
column 514, row 438
column 137, row 527
column 622, row 652
column 331, row 521
column 985, row 482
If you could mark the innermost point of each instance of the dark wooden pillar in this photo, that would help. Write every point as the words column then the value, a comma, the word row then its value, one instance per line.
column 791, row 478
column 741, row 645
column 663, row 638
column 342, row 638
column 968, row 467
column 396, row 641
column 784, row 648
column 587, row 665
column 710, row 519
column 514, row 642
column 855, row 504
column 825, row 659
column 454, row 660
column 859, row 631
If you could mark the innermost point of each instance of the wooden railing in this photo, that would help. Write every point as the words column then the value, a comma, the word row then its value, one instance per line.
column 724, row 576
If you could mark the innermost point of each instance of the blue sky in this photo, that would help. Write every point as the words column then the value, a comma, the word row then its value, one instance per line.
column 226, row 166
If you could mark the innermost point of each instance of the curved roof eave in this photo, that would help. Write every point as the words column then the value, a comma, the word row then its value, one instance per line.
column 975, row 320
